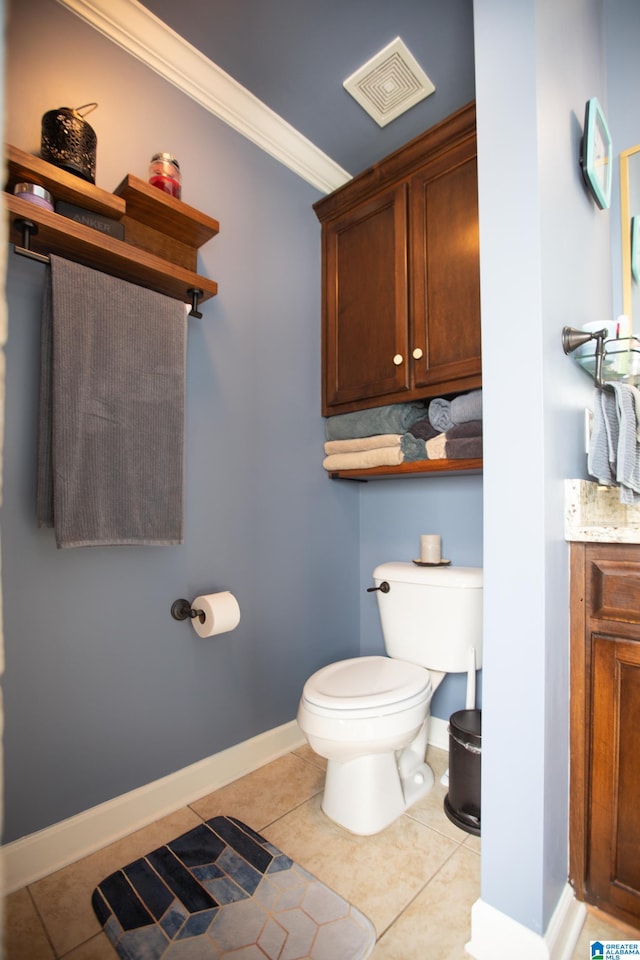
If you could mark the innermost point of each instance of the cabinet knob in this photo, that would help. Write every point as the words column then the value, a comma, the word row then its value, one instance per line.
column 398, row 359
column 417, row 353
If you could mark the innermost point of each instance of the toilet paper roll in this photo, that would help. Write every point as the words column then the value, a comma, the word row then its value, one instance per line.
column 221, row 614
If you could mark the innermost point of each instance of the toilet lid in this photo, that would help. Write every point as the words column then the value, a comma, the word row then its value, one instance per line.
column 366, row 681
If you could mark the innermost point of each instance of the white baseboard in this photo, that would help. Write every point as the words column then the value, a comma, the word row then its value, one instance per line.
column 39, row 854
column 495, row 936
column 35, row 856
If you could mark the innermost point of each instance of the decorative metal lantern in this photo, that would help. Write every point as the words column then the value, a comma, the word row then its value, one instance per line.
column 69, row 142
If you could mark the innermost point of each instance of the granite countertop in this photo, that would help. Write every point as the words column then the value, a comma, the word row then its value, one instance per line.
column 594, row 514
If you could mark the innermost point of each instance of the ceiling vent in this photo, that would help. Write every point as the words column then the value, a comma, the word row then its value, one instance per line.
column 390, row 83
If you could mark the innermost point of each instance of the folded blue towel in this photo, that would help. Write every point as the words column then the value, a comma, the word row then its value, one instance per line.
column 444, row 414
column 393, row 418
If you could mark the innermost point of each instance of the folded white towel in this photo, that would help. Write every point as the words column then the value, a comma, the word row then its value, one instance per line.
column 436, row 447
column 380, row 457
column 363, row 443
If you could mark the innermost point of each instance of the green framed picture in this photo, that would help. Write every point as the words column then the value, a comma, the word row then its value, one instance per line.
column 596, row 154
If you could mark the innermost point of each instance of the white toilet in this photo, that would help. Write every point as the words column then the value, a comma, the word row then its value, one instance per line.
column 369, row 715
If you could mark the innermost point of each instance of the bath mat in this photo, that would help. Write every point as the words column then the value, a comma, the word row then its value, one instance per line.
column 222, row 890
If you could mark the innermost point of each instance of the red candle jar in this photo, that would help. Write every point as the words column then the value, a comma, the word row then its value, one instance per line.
column 164, row 173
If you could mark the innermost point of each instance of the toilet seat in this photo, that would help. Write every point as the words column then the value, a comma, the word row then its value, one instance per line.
column 366, row 687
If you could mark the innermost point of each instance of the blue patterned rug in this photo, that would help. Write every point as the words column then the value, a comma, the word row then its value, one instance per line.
column 222, row 890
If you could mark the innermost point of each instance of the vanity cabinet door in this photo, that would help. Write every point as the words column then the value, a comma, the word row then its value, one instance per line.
column 605, row 727
column 614, row 837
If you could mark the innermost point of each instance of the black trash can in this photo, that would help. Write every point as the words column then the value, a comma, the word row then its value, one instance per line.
column 462, row 803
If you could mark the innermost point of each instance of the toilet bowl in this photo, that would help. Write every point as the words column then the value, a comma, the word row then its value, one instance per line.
column 368, row 717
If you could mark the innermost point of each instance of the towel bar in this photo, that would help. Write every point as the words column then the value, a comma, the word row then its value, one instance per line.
column 29, row 229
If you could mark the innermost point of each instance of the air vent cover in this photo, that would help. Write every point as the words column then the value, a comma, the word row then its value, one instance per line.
column 390, row 83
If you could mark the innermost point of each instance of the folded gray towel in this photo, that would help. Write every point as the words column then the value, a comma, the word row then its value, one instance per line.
column 468, row 406
column 393, row 418
column 110, row 458
column 444, row 414
column 423, row 429
column 461, row 431
column 464, row 448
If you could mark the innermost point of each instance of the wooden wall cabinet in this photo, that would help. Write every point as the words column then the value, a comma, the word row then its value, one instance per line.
column 401, row 274
column 605, row 727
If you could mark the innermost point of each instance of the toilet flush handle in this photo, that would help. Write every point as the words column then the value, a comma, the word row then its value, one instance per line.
column 383, row 588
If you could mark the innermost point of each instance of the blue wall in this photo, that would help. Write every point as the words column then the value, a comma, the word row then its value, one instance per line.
column 393, row 514
column 545, row 262
column 105, row 692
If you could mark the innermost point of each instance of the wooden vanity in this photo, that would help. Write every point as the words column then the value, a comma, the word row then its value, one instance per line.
column 604, row 831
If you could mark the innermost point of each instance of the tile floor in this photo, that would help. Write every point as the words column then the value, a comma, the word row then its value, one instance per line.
column 416, row 881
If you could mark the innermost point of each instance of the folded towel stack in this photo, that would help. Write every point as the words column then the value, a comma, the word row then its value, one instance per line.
column 376, row 451
column 405, row 432
column 614, row 448
column 369, row 438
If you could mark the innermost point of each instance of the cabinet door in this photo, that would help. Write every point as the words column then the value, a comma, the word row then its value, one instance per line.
column 445, row 271
column 614, row 867
column 365, row 312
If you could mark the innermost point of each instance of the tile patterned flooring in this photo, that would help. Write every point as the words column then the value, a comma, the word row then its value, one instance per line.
column 416, row 881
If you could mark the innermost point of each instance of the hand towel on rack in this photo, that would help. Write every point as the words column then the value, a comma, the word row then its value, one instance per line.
column 603, row 440
column 628, row 453
column 111, row 444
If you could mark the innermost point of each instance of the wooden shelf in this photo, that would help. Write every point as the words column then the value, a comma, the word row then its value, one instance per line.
column 162, row 257
column 419, row 468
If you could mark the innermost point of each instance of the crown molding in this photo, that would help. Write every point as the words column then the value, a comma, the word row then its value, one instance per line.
column 146, row 37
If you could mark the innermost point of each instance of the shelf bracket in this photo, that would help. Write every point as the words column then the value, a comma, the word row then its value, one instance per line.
column 29, row 229
column 195, row 295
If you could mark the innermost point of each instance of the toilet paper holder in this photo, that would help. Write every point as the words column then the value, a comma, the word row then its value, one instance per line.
column 182, row 610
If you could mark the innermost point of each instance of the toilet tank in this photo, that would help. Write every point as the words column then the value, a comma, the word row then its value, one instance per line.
column 431, row 616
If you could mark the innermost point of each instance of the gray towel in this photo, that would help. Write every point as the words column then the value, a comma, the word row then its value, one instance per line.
column 423, row 430
column 463, row 448
column 393, row 418
column 628, row 453
column 599, row 459
column 444, row 414
column 110, row 455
